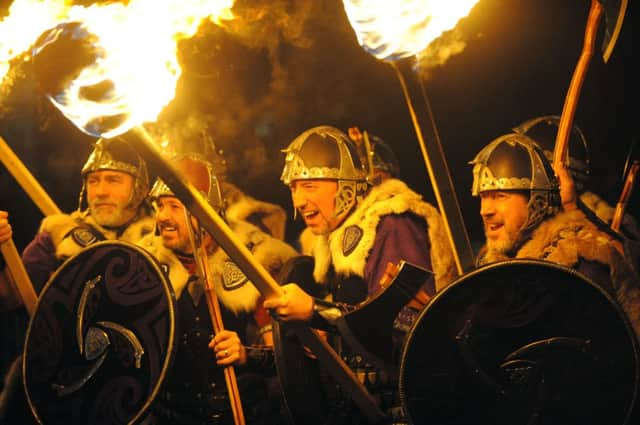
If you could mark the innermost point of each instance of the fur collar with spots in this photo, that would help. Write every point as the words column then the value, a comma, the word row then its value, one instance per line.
column 564, row 239
column 390, row 197
column 232, row 287
column 61, row 226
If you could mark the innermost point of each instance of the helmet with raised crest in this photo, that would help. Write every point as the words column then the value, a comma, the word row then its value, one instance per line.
column 327, row 153
column 514, row 162
column 198, row 172
column 117, row 154
column 544, row 130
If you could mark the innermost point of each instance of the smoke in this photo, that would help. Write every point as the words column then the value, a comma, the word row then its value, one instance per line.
column 440, row 50
column 263, row 78
column 250, row 85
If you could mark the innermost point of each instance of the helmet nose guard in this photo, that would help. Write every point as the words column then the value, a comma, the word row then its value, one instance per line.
column 327, row 153
column 117, row 154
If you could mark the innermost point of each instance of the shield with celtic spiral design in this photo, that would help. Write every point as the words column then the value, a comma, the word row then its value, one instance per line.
column 522, row 342
column 101, row 340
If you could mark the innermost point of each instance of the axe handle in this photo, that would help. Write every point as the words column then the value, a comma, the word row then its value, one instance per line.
column 575, row 87
column 218, row 326
column 19, row 276
column 627, row 189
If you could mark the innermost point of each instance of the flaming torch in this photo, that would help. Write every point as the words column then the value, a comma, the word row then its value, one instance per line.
column 122, row 71
column 396, row 32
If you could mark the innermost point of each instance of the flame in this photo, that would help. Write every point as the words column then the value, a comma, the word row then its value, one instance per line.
column 392, row 30
column 134, row 67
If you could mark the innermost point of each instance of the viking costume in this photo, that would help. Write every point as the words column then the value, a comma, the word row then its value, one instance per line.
column 196, row 387
column 543, row 131
column 384, row 224
column 571, row 239
column 516, row 162
column 195, row 390
column 62, row 236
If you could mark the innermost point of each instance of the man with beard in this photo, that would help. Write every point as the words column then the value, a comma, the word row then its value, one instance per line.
column 360, row 230
column 521, row 210
column 116, row 183
column 195, row 391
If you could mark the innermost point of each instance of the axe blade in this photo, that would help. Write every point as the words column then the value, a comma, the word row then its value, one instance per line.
column 614, row 13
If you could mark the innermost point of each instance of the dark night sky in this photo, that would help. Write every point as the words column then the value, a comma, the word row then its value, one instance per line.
column 284, row 66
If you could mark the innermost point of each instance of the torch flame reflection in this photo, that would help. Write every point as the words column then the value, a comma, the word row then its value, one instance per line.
column 135, row 71
column 392, row 30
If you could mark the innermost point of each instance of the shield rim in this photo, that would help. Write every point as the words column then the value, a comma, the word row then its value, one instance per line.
column 635, row 402
column 169, row 293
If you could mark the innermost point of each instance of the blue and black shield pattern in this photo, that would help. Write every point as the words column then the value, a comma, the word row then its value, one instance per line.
column 521, row 342
column 101, row 340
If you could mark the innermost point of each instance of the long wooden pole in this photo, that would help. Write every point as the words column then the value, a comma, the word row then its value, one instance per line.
column 200, row 255
column 17, row 272
column 436, row 163
column 218, row 326
column 18, row 275
column 26, row 180
column 627, row 190
column 575, row 87
column 255, row 272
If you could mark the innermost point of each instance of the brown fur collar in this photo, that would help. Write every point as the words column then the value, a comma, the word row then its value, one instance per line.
column 390, row 197
column 605, row 212
column 568, row 237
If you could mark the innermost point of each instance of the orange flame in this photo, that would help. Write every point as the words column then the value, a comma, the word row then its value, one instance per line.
column 392, row 30
column 136, row 69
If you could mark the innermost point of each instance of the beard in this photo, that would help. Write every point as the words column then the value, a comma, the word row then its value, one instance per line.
column 502, row 248
column 119, row 217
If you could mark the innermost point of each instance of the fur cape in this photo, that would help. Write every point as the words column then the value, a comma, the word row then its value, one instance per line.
column 570, row 236
column 390, row 197
column 61, row 226
column 241, row 296
column 242, row 207
column 605, row 212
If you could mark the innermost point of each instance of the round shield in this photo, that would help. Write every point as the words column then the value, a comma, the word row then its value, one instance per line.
column 521, row 342
column 101, row 339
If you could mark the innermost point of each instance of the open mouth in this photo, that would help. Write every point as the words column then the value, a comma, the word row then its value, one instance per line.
column 166, row 228
column 309, row 215
column 491, row 228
